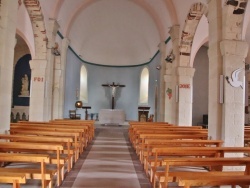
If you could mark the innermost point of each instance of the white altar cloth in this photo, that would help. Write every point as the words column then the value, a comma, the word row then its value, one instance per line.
column 112, row 116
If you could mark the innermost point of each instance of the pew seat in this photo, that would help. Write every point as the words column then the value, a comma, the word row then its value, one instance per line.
column 15, row 178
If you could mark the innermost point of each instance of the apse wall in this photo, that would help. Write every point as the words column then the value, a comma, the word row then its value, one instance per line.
column 99, row 97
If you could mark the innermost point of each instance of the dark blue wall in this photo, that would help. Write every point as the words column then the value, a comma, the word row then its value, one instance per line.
column 22, row 67
column 99, row 97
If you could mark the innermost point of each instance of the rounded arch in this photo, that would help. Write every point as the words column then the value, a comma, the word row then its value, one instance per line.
column 196, row 12
column 58, row 5
column 142, row 4
column 194, row 52
column 18, row 32
column 172, row 11
column 36, row 16
column 144, row 85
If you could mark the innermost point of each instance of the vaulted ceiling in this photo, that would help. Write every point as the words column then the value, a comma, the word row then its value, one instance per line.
column 120, row 32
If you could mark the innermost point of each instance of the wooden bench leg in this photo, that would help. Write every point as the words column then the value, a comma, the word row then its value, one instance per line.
column 15, row 184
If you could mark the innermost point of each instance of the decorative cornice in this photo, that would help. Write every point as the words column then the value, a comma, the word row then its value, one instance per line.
column 82, row 60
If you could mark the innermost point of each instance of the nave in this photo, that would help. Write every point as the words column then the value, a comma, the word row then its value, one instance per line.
column 108, row 162
column 141, row 155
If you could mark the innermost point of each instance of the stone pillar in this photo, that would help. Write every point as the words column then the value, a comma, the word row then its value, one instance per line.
column 37, row 90
column 234, row 53
column 56, row 88
column 215, row 69
column 171, row 99
column 161, row 101
column 60, row 68
column 51, row 33
column 185, row 76
column 8, row 17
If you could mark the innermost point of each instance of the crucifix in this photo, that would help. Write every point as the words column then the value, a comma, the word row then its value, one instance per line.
column 113, row 86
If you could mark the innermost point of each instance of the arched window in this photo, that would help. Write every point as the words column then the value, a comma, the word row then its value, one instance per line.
column 84, row 85
column 144, row 86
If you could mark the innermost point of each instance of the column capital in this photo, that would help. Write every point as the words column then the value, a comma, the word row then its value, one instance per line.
column 185, row 71
column 234, row 47
column 38, row 64
column 174, row 32
column 53, row 26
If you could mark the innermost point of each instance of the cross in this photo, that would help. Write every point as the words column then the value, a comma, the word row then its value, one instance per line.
column 113, row 86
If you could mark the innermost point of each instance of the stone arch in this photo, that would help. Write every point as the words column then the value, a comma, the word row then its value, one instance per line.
column 233, row 22
column 38, row 25
column 188, row 32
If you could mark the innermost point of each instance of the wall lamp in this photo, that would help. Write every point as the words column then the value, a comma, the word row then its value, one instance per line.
column 170, row 58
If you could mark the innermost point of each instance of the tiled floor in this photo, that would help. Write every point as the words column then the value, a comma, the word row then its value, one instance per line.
column 109, row 162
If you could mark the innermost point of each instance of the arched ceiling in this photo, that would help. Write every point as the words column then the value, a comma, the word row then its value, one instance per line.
column 113, row 32
column 117, row 32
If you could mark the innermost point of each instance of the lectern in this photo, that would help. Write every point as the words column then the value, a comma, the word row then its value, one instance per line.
column 86, row 111
column 143, row 113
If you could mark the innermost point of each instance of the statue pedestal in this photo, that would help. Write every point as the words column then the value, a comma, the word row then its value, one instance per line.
column 24, row 94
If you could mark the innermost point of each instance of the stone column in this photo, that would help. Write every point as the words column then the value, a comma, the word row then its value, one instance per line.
column 8, row 17
column 234, row 53
column 185, row 77
column 56, row 87
column 215, row 69
column 60, row 69
column 161, row 100
column 37, row 90
column 170, row 78
column 51, row 33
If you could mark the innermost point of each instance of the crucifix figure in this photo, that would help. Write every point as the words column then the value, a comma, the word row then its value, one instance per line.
column 113, row 86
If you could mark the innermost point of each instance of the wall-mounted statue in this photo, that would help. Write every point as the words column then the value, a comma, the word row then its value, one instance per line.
column 25, row 86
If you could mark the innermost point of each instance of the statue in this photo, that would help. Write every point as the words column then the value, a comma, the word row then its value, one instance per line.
column 25, row 86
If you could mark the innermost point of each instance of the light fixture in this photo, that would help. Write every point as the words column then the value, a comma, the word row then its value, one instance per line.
column 78, row 104
column 170, row 58
column 55, row 49
column 158, row 67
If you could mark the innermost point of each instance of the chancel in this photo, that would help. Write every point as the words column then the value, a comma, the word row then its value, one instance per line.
column 113, row 86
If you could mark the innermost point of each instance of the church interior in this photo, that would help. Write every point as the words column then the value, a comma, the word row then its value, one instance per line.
column 115, row 88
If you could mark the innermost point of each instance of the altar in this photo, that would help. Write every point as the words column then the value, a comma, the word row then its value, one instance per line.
column 111, row 116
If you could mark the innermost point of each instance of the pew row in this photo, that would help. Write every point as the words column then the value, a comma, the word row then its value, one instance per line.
column 42, row 159
column 209, row 178
column 34, row 148
column 158, row 155
column 14, row 178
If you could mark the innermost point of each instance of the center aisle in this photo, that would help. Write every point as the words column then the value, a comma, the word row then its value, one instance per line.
column 109, row 162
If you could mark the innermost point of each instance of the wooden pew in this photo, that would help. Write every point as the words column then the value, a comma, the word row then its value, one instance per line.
column 174, row 131
column 142, row 137
column 88, row 127
column 76, row 136
column 29, row 158
column 191, row 178
column 80, row 131
column 89, row 123
column 36, row 148
column 15, row 178
column 157, row 143
column 67, row 141
column 211, row 152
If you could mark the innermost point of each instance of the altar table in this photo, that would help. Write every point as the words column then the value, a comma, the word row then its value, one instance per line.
column 111, row 116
